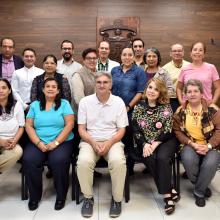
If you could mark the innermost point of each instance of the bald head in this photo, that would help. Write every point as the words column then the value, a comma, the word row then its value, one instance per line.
column 177, row 52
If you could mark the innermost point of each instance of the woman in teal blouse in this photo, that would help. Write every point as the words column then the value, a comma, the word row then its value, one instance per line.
column 49, row 126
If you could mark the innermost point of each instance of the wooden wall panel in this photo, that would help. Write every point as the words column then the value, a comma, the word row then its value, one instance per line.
column 43, row 24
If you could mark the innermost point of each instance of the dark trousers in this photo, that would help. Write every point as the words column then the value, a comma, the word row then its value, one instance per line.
column 160, row 165
column 58, row 160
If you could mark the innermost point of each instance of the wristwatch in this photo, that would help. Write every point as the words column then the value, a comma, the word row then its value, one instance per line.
column 209, row 146
column 56, row 143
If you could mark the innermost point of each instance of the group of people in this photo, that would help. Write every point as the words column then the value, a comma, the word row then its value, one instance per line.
column 136, row 108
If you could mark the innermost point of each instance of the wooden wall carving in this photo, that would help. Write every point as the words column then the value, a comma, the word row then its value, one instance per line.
column 119, row 32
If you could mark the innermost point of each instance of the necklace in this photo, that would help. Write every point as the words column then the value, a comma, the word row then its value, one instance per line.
column 195, row 114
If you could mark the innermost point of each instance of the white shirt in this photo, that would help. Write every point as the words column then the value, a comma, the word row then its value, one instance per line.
column 68, row 69
column 21, row 83
column 10, row 123
column 102, row 120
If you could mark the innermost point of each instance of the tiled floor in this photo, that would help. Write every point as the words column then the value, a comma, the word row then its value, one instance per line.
column 145, row 203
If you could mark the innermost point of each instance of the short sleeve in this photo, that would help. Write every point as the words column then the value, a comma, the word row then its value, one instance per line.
column 67, row 110
column 181, row 76
column 82, row 112
column 19, row 111
column 215, row 75
column 31, row 112
column 122, row 117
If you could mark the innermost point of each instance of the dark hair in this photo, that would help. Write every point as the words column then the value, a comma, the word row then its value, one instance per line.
column 57, row 99
column 11, row 102
column 127, row 46
column 29, row 49
column 67, row 41
column 154, row 50
column 88, row 50
column 8, row 38
column 137, row 39
column 52, row 56
column 203, row 44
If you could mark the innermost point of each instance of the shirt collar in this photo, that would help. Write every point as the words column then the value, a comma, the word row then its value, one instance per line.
column 7, row 60
column 109, row 102
column 28, row 69
column 62, row 61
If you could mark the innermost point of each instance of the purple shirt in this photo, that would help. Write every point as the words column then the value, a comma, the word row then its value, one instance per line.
column 8, row 68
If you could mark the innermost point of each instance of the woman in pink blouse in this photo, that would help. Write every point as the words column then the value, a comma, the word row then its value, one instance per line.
column 205, row 72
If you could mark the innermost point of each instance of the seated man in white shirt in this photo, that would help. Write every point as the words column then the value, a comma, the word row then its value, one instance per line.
column 22, row 78
column 102, row 119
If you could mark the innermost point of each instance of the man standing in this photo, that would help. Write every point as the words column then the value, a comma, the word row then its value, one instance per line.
column 67, row 65
column 174, row 67
column 8, row 61
column 101, row 130
column 22, row 78
column 104, row 63
column 138, row 48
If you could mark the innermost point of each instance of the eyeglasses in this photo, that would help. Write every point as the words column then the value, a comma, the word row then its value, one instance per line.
column 66, row 48
column 102, row 82
column 91, row 58
column 176, row 51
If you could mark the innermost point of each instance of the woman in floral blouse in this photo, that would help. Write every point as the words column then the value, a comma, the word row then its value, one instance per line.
column 155, row 145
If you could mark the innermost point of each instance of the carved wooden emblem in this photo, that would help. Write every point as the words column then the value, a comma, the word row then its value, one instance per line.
column 119, row 32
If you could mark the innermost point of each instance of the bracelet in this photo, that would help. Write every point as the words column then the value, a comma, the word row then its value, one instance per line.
column 38, row 143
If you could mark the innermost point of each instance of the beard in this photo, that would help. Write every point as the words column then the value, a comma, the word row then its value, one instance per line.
column 67, row 56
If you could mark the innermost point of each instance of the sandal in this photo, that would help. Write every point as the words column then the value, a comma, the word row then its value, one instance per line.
column 175, row 195
column 169, row 205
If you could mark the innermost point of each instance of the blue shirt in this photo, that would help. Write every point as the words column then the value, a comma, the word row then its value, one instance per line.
column 127, row 85
column 49, row 124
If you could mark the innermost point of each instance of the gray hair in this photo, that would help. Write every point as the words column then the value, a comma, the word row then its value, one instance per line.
column 193, row 82
column 103, row 73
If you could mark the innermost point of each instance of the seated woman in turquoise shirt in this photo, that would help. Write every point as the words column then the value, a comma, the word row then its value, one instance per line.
column 49, row 126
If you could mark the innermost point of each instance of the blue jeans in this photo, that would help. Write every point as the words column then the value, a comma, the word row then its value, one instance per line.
column 200, row 169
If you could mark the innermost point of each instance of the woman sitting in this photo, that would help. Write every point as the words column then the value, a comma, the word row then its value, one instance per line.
column 49, row 126
column 11, row 127
column 155, row 145
column 197, row 126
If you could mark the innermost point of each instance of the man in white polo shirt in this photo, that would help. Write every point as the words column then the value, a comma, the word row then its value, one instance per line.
column 102, row 119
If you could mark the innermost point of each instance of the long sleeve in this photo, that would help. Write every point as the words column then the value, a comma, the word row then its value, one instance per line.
column 34, row 90
column 66, row 90
column 78, row 88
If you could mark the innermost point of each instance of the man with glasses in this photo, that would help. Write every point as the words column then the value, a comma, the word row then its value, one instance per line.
column 8, row 61
column 104, row 63
column 67, row 65
column 174, row 67
column 102, row 118
column 83, row 81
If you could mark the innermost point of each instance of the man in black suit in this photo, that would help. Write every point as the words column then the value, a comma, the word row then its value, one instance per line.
column 8, row 61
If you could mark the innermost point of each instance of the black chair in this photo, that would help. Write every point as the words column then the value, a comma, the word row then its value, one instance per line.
column 103, row 164
column 24, row 187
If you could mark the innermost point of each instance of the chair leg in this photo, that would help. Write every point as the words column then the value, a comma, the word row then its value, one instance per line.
column 73, row 183
column 127, row 187
column 178, row 172
column 77, row 190
column 24, row 188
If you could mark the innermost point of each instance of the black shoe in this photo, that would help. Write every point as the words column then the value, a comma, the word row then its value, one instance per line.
column 59, row 204
column 200, row 201
column 115, row 209
column 49, row 174
column 32, row 205
column 87, row 207
column 208, row 193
